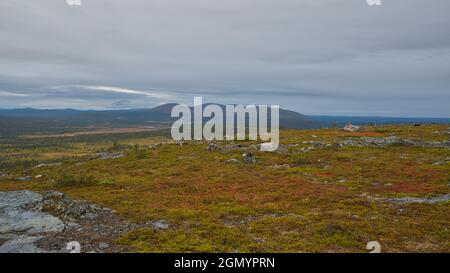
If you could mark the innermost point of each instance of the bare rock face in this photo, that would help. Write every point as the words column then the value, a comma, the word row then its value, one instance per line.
column 15, row 218
column 30, row 222
column 33, row 222
column 19, row 225
column 16, row 199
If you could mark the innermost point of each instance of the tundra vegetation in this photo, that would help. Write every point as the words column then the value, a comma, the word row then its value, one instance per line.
column 317, row 193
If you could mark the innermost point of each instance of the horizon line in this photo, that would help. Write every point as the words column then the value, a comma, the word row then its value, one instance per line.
column 310, row 115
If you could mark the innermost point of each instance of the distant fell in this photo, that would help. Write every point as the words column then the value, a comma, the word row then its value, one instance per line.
column 29, row 120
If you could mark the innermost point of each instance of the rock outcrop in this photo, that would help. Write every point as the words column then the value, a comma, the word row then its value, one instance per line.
column 43, row 222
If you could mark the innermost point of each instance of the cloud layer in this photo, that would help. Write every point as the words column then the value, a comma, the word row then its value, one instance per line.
column 313, row 56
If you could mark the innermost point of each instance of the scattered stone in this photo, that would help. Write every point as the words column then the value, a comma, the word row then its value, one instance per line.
column 438, row 163
column 180, row 142
column 59, row 204
column 431, row 200
column 392, row 140
column 154, row 146
column 260, row 241
column 72, row 225
column 48, row 165
column 213, row 146
column 89, row 216
column 351, row 128
column 282, row 166
column 343, row 180
column 410, row 200
column 307, row 149
column 103, row 245
column 105, row 155
column 25, row 179
column 161, row 224
column 249, row 158
column 38, row 176
column 233, row 160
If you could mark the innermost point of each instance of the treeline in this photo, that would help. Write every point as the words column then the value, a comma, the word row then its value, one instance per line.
column 66, row 141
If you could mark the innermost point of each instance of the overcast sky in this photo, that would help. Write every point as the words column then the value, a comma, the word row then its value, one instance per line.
column 339, row 57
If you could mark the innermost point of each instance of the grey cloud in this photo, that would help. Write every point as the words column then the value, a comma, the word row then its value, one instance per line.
column 314, row 56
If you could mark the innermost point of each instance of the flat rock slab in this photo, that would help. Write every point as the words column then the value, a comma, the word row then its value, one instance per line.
column 414, row 200
column 15, row 199
column 30, row 222
column 15, row 218
column 432, row 200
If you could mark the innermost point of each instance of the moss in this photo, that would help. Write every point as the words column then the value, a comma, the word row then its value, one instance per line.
column 319, row 204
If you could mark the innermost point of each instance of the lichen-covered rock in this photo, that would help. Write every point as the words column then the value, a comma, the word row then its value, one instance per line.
column 30, row 222
column 431, row 200
column 213, row 146
column 22, row 244
column 33, row 222
column 249, row 158
column 161, row 224
column 14, row 217
column 15, row 199
column 65, row 208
